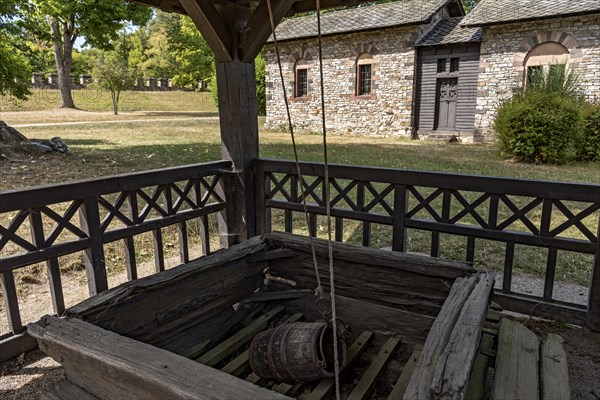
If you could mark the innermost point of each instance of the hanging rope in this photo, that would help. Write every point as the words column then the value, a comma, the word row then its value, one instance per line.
column 319, row 289
column 328, row 208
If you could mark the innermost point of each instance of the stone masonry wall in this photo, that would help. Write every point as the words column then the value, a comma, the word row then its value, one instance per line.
column 504, row 49
column 387, row 111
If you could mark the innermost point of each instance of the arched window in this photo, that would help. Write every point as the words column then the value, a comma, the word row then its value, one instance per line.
column 544, row 57
column 364, row 72
column 301, row 78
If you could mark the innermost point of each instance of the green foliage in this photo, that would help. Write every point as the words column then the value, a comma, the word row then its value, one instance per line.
column 537, row 127
column 113, row 73
column 588, row 143
column 469, row 4
column 556, row 80
column 194, row 59
column 15, row 70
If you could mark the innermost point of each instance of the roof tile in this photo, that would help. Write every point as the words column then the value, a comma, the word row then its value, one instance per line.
column 449, row 31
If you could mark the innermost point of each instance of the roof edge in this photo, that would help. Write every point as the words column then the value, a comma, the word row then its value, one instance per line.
column 516, row 21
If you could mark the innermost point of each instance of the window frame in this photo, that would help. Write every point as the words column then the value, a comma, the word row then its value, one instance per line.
column 301, row 66
column 363, row 61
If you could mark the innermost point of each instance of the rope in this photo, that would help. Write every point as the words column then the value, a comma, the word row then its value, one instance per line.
column 319, row 288
column 328, row 208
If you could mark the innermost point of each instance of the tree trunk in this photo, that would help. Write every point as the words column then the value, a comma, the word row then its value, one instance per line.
column 63, row 55
column 115, row 101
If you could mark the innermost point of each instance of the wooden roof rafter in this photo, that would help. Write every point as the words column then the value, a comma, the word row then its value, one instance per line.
column 237, row 30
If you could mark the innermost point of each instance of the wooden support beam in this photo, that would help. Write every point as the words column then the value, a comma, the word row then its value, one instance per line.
column 210, row 24
column 236, row 82
column 365, row 386
column 258, row 29
column 476, row 388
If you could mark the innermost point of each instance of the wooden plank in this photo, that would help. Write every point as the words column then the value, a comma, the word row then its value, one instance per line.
column 476, row 389
column 554, row 369
column 365, row 386
column 405, row 375
column 196, row 350
column 288, row 389
column 451, row 374
column 593, row 320
column 194, row 290
column 357, row 254
column 419, row 386
column 56, row 291
column 242, row 337
column 240, row 364
column 112, row 366
column 326, row 386
column 274, row 254
column 184, row 252
column 65, row 390
column 517, row 363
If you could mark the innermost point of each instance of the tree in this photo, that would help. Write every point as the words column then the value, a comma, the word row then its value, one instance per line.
column 15, row 71
column 469, row 4
column 113, row 72
column 62, row 22
column 194, row 59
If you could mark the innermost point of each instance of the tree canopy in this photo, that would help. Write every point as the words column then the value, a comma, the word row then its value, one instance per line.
column 15, row 71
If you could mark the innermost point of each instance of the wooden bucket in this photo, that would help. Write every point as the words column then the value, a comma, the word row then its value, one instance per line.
column 299, row 352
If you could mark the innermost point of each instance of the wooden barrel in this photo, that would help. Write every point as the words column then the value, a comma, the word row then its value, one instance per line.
column 299, row 352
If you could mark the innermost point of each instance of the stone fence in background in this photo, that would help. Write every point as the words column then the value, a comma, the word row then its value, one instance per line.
column 50, row 81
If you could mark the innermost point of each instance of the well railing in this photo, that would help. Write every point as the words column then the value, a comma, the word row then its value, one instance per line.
column 46, row 223
column 520, row 215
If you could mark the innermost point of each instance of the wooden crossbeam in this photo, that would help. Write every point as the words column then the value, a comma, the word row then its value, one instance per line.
column 325, row 387
column 405, row 375
column 242, row 337
column 365, row 386
column 258, row 29
column 210, row 24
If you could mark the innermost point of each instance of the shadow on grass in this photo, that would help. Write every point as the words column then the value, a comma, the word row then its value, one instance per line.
column 87, row 142
column 187, row 114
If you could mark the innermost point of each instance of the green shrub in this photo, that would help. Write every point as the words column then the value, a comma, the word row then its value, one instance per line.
column 538, row 126
column 588, row 142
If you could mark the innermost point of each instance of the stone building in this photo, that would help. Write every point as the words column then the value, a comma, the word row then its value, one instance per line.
column 421, row 68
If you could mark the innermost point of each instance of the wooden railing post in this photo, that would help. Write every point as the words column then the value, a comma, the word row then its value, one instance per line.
column 259, row 196
column 399, row 226
column 93, row 256
column 593, row 322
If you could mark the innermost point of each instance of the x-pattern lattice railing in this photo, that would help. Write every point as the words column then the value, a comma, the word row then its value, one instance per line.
column 550, row 215
column 46, row 223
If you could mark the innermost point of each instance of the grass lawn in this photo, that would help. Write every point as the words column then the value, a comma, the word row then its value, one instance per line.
column 95, row 100
column 105, row 149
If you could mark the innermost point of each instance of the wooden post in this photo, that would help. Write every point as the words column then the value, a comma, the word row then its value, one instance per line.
column 95, row 264
column 593, row 322
column 239, row 143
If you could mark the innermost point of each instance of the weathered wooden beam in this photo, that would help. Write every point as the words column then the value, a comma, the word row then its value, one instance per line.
column 365, row 386
column 15, row 345
column 554, row 369
column 112, row 366
column 476, row 389
column 325, row 387
column 517, row 363
column 210, row 24
column 258, row 29
column 236, row 83
column 437, row 339
column 405, row 375
column 451, row 375
column 278, row 295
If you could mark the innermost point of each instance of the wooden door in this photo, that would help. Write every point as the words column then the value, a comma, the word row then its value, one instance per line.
column 447, row 96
